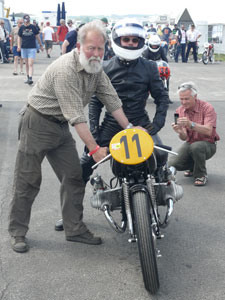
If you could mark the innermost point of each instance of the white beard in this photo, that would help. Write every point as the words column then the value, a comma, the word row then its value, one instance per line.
column 91, row 65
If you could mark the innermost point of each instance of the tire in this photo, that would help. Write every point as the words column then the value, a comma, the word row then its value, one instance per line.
column 205, row 58
column 146, row 246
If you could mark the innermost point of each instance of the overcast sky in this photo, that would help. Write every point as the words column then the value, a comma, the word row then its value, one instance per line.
column 209, row 11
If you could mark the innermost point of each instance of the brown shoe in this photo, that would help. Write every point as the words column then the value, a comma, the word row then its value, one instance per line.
column 86, row 238
column 19, row 244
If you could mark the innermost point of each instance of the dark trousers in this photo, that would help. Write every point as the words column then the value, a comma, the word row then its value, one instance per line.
column 193, row 157
column 2, row 47
column 40, row 138
column 181, row 49
column 192, row 45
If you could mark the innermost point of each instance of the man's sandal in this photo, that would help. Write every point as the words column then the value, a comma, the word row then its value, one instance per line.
column 188, row 173
column 200, row 181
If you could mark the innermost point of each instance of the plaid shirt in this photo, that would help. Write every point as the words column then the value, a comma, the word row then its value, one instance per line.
column 203, row 114
column 66, row 88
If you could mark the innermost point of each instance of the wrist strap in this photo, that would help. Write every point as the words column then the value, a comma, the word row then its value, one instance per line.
column 93, row 151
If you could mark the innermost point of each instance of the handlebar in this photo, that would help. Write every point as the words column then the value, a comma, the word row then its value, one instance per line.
column 161, row 147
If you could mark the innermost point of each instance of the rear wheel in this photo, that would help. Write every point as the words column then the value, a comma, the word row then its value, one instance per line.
column 205, row 58
column 146, row 245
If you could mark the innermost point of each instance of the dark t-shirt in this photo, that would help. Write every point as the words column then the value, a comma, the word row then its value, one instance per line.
column 28, row 35
column 71, row 37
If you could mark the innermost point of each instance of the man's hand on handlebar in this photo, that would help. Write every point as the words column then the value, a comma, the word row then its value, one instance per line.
column 100, row 154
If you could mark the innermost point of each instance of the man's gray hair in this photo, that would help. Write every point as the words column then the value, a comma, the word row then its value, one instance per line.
column 96, row 26
column 188, row 86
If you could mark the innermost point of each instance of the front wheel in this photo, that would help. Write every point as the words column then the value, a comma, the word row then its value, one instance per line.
column 205, row 58
column 146, row 245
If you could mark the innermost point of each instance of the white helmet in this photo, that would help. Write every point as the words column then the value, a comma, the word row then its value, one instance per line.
column 128, row 27
column 154, row 43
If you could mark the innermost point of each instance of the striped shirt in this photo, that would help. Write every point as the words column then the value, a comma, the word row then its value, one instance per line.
column 66, row 88
column 203, row 114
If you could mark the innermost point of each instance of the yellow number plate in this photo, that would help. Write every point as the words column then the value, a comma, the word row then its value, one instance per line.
column 131, row 146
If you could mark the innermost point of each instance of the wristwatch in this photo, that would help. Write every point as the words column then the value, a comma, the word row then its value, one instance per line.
column 192, row 125
column 130, row 125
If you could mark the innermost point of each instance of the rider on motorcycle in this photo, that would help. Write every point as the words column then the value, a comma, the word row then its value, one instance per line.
column 154, row 50
column 134, row 78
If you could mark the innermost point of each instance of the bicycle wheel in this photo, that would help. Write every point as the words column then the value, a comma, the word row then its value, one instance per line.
column 146, row 245
column 205, row 58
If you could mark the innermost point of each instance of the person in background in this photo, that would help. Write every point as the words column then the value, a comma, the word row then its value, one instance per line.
column 151, row 29
column 59, row 98
column 69, row 42
column 166, row 37
column 13, row 48
column 181, row 44
column 192, row 39
column 159, row 31
column 196, row 126
column 47, row 38
column 108, row 49
column 70, row 25
column 38, row 28
column 27, row 35
column 2, row 41
column 42, row 26
column 61, row 33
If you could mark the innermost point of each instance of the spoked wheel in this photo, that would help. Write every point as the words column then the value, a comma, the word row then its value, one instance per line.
column 146, row 244
column 205, row 58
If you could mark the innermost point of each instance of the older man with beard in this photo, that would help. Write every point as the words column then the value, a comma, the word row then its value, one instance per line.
column 57, row 99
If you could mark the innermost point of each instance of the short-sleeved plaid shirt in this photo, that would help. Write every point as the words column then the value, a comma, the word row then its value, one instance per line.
column 203, row 114
column 66, row 88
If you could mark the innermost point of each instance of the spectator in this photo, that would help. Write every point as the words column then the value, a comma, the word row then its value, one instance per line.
column 59, row 97
column 13, row 47
column 47, row 38
column 69, row 42
column 152, row 28
column 159, row 31
column 38, row 28
column 108, row 48
column 70, row 25
column 3, row 35
column 166, row 37
column 61, row 33
column 41, row 32
column 27, row 35
column 196, row 126
column 181, row 44
column 192, row 39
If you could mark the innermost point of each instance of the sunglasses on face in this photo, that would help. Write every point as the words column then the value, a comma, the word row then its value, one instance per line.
column 127, row 40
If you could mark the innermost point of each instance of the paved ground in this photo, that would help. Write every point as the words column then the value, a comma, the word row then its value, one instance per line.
column 192, row 266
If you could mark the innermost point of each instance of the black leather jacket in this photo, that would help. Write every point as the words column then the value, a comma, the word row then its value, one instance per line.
column 133, row 81
column 155, row 55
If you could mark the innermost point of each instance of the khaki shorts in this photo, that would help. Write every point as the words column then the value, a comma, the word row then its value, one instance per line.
column 48, row 45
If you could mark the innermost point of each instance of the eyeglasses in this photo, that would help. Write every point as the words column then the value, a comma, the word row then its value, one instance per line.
column 127, row 40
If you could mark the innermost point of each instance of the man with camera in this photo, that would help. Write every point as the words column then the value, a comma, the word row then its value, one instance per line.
column 195, row 123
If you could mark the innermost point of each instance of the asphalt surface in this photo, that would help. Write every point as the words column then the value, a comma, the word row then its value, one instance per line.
column 192, row 266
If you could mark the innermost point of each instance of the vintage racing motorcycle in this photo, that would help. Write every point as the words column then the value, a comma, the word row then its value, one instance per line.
column 143, row 193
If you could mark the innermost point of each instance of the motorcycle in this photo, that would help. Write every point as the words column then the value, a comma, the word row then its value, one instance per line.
column 144, row 194
column 164, row 73
column 208, row 54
